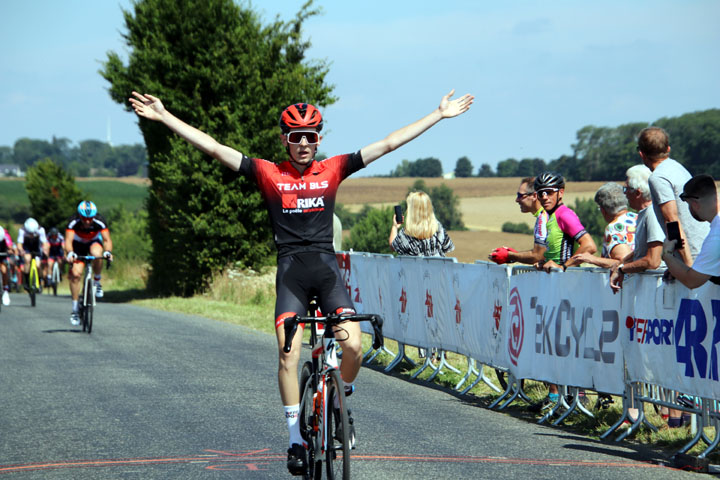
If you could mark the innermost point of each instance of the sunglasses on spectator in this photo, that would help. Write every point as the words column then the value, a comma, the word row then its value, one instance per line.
column 296, row 137
column 522, row 195
column 546, row 192
column 684, row 197
column 629, row 189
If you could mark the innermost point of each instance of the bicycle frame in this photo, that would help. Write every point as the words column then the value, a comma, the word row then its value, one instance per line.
column 34, row 278
column 87, row 295
column 323, row 375
column 87, row 281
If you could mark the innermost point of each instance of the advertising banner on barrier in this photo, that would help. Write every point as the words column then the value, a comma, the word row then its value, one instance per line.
column 671, row 334
column 565, row 328
column 349, row 267
column 480, row 296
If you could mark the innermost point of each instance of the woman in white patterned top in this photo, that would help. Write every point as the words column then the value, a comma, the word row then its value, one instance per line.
column 422, row 234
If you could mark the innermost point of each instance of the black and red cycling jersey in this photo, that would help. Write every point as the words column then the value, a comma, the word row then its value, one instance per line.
column 86, row 233
column 301, row 206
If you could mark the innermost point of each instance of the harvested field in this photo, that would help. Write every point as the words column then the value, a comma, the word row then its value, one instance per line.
column 393, row 190
column 485, row 203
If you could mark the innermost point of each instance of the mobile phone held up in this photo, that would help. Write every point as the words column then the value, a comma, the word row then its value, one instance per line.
column 398, row 214
column 673, row 233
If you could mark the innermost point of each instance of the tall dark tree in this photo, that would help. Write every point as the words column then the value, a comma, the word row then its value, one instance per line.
column 217, row 67
column 426, row 167
column 486, row 171
column 52, row 192
column 507, row 168
column 445, row 204
column 530, row 167
column 371, row 232
column 695, row 140
column 463, row 168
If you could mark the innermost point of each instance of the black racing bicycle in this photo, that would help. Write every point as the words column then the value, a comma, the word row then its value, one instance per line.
column 324, row 419
column 87, row 295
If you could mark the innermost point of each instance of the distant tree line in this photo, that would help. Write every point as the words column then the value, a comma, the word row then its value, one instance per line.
column 599, row 153
column 89, row 158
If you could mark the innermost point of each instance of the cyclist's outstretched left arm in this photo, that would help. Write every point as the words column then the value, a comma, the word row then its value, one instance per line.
column 150, row 107
column 447, row 109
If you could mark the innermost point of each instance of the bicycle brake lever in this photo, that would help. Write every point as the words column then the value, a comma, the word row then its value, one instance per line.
column 378, row 339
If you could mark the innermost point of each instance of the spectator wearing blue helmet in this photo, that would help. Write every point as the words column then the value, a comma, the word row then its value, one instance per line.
column 87, row 233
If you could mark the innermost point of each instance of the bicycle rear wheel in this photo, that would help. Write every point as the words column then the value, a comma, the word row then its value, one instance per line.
column 308, row 423
column 338, row 429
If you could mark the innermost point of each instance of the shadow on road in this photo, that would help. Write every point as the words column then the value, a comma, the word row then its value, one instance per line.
column 125, row 296
column 63, row 330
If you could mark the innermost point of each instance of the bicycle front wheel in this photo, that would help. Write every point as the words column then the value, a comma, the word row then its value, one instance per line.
column 337, row 452
column 32, row 283
column 309, row 422
column 88, row 314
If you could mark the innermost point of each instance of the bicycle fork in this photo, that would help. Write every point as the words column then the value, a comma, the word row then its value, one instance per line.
column 327, row 354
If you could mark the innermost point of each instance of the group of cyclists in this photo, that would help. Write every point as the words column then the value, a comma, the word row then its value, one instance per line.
column 86, row 233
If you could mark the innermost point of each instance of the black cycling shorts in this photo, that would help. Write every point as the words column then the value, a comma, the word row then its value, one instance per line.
column 303, row 275
column 83, row 249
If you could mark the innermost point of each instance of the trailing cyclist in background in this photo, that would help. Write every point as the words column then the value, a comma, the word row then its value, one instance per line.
column 31, row 242
column 8, row 250
column 300, row 198
column 56, row 256
column 87, row 233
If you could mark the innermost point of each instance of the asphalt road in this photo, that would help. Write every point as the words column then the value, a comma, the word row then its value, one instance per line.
column 156, row 395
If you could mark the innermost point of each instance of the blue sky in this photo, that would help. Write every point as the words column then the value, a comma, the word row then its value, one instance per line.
column 539, row 71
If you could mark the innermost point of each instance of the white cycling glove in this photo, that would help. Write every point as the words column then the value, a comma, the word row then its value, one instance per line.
column 71, row 257
column 107, row 254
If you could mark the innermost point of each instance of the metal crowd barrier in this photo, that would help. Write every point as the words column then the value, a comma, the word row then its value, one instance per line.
column 705, row 412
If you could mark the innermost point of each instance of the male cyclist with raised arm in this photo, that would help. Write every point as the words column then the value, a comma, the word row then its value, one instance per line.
column 300, row 197
column 86, row 234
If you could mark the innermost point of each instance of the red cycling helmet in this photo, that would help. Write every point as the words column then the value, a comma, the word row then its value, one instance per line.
column 300, row 115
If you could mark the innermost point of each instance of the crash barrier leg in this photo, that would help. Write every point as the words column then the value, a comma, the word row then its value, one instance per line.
column 625, row 415
column 575, row 392
column 399, row 357
column 710, row 416
column 670, row 398
column 699, row 426
column 426, row 364
column 561, row 403
column 516, row 385
column 380, row 350
column 631, row 399
column 481, row 377
column 471, row 370
column 442, row 364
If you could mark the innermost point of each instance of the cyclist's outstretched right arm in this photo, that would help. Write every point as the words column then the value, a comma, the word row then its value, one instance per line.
column 150, row 107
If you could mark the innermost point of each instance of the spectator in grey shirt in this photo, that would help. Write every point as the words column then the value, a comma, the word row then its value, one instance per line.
column 666, row 184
